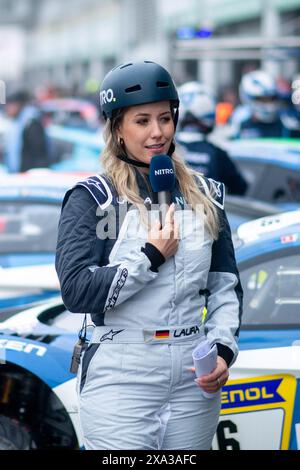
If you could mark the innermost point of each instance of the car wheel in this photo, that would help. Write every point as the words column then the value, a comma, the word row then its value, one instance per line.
column 12, row 435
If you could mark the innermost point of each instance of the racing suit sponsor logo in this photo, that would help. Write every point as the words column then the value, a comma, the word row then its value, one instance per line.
column 216, row 187
column 186, row 332
column 120, row 283
column 97, row 185
column 110, row 335
column 180, row 201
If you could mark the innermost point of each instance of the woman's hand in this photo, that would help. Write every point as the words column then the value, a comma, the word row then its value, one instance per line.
column 165, row 239
column 216, row 379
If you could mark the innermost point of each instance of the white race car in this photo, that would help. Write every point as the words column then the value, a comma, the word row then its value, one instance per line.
column 260, row 402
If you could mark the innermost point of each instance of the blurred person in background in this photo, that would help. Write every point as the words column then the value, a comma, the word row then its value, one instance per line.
column 290, row 97
column 196, row 121
column 259, row 115
column 291, row 121
column 227, row 102
column 26, row 143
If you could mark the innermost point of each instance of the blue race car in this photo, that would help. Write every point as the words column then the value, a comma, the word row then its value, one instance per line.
column 261, row 401
column 271, row 168
column 30, row 206
column 241, row 209
column 72, row 112
column 29, row 212
column 74, row 149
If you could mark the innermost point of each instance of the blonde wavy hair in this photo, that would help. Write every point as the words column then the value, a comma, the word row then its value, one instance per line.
column 122, row 176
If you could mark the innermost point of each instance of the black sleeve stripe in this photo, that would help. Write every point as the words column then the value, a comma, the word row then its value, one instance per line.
column 239, row 293
column 225, row 352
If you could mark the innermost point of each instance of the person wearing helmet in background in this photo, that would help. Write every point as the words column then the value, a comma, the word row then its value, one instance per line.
column 196, row 122
column 261, row 116
column 290, row 115
column 143, row 285
column 291, row 120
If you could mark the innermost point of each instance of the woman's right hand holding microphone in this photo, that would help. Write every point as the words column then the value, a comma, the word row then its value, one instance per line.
column 166, row 238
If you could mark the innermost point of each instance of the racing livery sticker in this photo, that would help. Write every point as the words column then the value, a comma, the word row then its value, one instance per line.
column 248, row 404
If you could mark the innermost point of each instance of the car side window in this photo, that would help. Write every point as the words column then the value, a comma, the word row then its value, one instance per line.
column 252, row 172
column 272, row 292
column 28, row 227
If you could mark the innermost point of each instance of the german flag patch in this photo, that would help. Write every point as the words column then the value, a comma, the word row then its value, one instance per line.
column 162, row 334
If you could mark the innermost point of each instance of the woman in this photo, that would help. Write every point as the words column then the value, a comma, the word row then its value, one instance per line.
column 146, row 289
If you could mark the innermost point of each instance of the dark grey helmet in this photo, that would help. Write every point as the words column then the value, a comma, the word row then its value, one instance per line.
column 135, row 83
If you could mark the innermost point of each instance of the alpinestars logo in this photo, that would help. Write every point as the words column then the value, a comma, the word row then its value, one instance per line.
column 217, row 187
column 120, row 283
column 110, row 335
column 97, row 185
column 107, row 96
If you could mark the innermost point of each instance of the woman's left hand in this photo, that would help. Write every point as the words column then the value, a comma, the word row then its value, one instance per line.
column 216, row 379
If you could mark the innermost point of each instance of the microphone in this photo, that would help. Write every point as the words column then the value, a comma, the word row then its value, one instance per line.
column 162, row 180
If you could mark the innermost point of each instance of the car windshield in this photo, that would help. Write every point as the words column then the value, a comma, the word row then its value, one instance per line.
column 28, row 227
column 272, row 292
column 61, row 318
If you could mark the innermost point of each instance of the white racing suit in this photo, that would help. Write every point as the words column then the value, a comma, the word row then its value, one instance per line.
column 135, row 387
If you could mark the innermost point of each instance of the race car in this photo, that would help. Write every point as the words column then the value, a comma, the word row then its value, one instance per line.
column 74, row 149
column 72, row 112
column 260, row 402
column 241, row 209
column 30, row 205
column 38, row 405
column 271, row 168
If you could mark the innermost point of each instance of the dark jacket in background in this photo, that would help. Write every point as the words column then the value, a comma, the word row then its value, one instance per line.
column 35, row 151
column 213, row 162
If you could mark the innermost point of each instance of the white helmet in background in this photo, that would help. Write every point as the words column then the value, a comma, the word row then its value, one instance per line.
column 258, row 90
column 196, row 103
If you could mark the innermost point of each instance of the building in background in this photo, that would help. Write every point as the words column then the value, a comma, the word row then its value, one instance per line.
column 74, row 43
column 17, row 17
column 233, row 37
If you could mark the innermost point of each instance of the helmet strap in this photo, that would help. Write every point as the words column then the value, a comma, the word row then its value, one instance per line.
column 132, row 162
column 171, row 149
column 126, row 159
